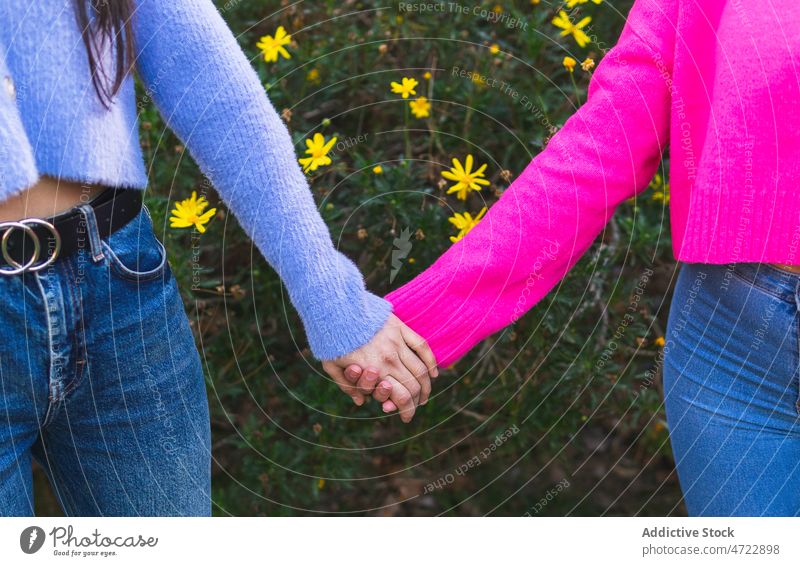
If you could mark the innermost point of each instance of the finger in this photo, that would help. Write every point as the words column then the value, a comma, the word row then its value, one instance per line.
column 400, row 372
column 368, row 381
column 419, row 371
column 338, row 377
column 420, row 346
column 382, row 391
column 353, row 373
column 403, row 399
column 389, row 406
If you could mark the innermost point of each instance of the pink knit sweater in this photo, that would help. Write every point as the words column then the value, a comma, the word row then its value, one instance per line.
column 720, row 82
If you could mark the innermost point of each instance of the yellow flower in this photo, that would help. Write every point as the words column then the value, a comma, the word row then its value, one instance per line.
column 313, row 76
column 318, row 150
column 588, row 64
column 498, row 9
column 659, row 341
column 427, row 76
column 189, row 212
column 478, row 79
column 420, row 107
column 660, row 189
column 320, row 483
column 573, row 3
column 569, row 64
column 576, row 30
column 494, row 49
column 377, row 169
column 534, row 2
column 466, row 179
column 661, row 196
column 271, row 47
column 407, row 88
column 464, row 222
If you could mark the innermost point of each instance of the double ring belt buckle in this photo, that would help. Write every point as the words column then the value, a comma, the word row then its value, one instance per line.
column 30, row 265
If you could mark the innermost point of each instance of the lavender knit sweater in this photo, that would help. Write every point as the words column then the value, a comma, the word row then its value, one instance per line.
column 52, row 123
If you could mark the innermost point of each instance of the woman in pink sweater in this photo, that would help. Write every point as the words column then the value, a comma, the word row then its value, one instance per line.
column 719, row 83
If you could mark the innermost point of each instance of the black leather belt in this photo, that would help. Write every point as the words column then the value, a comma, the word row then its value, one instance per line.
column 32, row 244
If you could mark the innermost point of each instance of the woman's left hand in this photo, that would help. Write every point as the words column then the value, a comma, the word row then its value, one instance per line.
column 400, row 358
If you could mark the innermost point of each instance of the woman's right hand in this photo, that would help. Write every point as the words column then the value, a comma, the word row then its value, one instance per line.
column 404, row 362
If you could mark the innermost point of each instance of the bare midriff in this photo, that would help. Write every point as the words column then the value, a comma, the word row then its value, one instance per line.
column 47, row 198
column 50, row 196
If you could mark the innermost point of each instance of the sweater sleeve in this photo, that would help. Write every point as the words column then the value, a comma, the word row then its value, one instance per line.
column 17, row 162
column 532, row 236
column 211, row 97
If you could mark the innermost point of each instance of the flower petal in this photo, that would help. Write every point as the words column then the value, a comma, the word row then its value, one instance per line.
column 327, row 147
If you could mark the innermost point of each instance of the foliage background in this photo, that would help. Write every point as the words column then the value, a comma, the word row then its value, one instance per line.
column 570, row 377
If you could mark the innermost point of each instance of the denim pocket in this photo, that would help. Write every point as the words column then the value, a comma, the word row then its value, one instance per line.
column 774, row 283
column 134, row 253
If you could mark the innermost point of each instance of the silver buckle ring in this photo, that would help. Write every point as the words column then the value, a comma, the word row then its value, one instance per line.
column 31, row 264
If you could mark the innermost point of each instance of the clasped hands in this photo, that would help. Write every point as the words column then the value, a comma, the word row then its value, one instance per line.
column 395, row 368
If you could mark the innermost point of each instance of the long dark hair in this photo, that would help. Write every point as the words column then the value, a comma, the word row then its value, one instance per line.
column 112, row 23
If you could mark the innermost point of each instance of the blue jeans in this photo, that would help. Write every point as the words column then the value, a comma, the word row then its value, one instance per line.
column 731, row 389
column 101, row 383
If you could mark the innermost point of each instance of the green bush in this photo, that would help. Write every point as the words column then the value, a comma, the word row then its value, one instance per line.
column 575, row 384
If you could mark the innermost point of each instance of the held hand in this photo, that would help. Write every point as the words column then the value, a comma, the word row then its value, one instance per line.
column 383, row 392
column 405, row 366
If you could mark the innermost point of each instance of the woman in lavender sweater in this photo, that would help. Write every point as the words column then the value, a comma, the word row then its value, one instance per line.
column 719, row 82
column 101, row 379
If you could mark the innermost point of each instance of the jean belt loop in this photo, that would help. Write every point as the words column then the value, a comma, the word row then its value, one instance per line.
column 90, row 230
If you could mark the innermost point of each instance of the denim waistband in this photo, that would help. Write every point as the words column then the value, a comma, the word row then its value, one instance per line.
column 780, row 283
